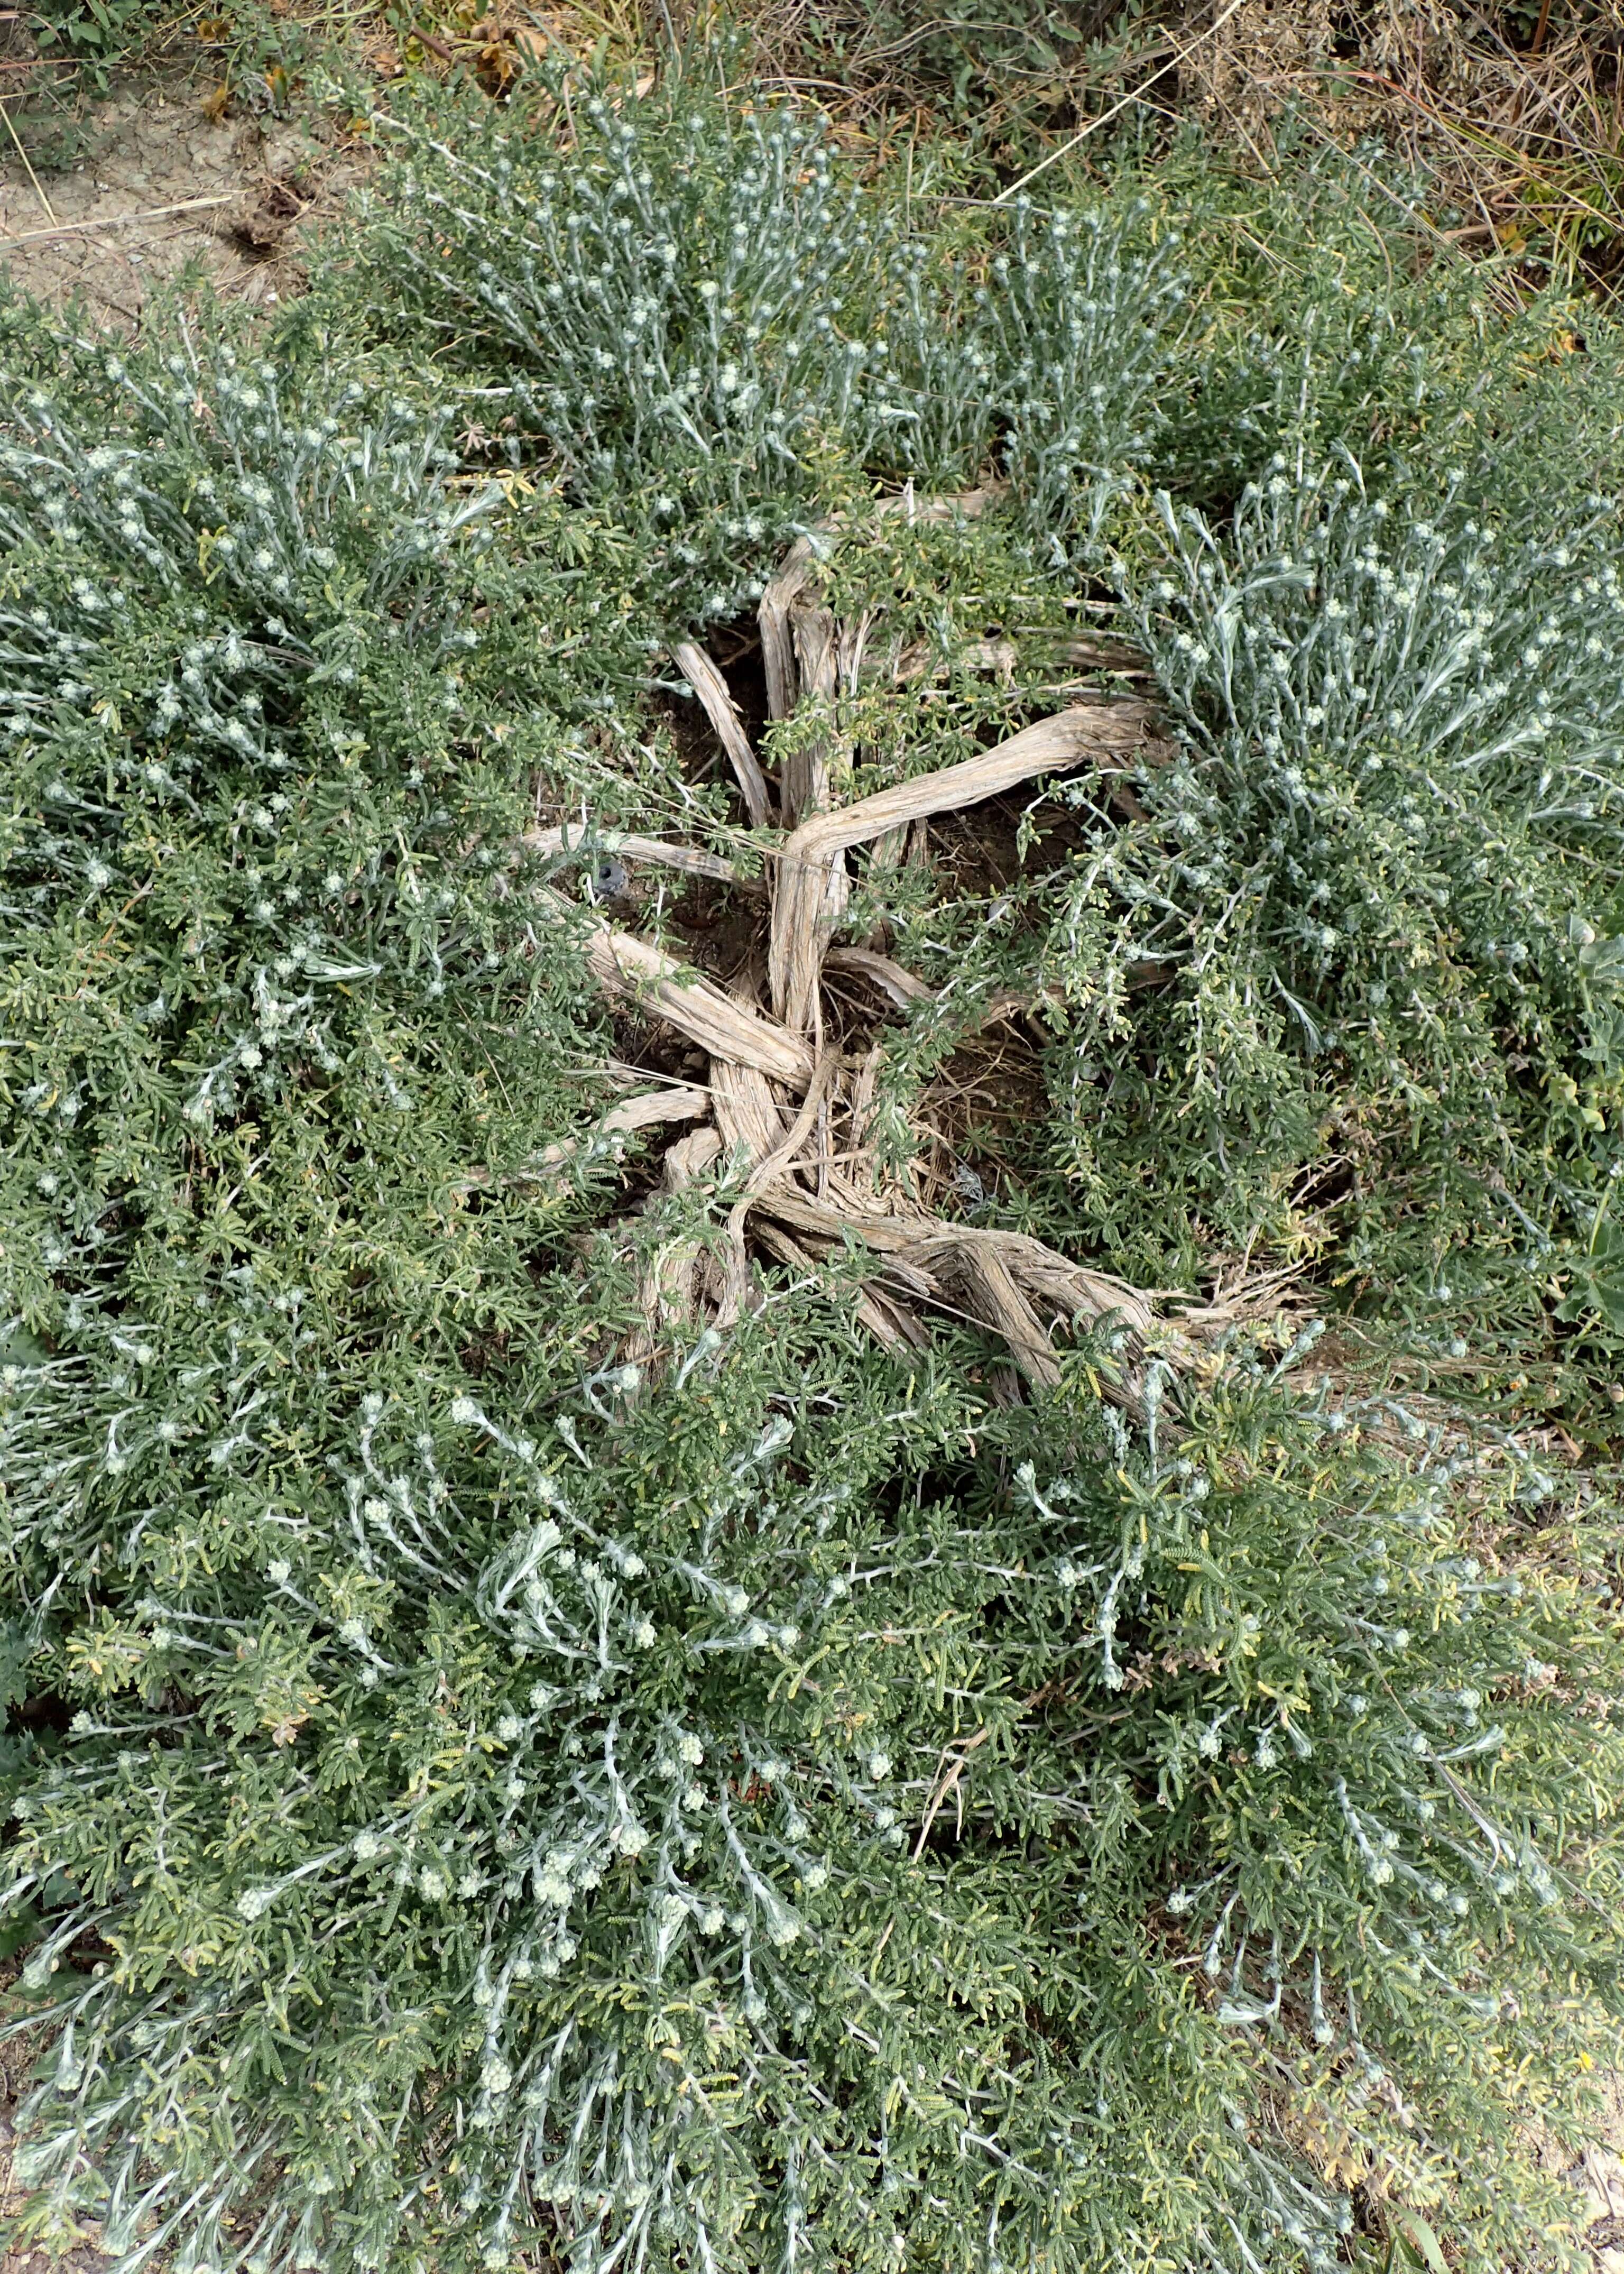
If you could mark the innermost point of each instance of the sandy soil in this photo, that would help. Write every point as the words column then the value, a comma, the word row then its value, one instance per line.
column 162, row 186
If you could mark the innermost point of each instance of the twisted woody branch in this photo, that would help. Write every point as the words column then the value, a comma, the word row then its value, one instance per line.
column 775, row 1086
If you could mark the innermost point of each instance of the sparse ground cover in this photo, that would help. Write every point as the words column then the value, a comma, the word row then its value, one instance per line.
column 813, row 1325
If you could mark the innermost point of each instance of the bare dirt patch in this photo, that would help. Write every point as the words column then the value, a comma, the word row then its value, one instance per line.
column 159, row 189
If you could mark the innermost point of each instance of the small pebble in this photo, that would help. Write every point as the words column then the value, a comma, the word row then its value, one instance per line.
column 607, row 880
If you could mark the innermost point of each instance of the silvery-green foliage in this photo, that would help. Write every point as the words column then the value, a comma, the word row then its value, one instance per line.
column 685, row 309
column 760, row 1806
column 264, row 488
column 1325, row 617
column 1379, row 853
column 1041, row 356
column 710, row 321
column 1080, row 324
column 473, row 1789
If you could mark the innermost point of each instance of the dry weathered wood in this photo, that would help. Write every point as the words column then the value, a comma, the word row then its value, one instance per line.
column 781, row 1161
column 813, row 762
column 687, row 1161
column 681, row 1102
column 890, row 1323
column 1011, row 1282
column 901, row 665
column 772, row 615
column 985, row 1267
column 799, row 566
column 901, row 986
column 812, row 854
column 691, row 859
column 669, row 1288
column 746, row 1112
column 712, row 690
column 1083, row 735
column 776, row 1095
column 631, row 969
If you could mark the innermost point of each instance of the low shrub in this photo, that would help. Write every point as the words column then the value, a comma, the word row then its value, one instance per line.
column 482, row 1795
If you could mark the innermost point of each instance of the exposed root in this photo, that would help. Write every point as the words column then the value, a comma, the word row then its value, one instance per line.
column 1106, row 734
column 711, row 688
column 785, row 1111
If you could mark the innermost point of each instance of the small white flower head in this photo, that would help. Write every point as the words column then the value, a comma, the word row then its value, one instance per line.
column 710, row 1920
column 1180, row 1901
column 509, row 1727
column 879, row 1767
column 644, row 1634
column 253, row 1903
column 691, row 1750
column 433, row 1886
column 278, row 1571
column 366, row 1847
column 465, row 1412
column 496, row 2077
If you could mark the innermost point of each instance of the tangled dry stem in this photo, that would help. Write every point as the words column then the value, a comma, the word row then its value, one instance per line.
column 786, row 1101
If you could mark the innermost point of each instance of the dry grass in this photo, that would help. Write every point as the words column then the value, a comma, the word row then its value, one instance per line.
column 1515, row 111
column 1517, row 114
